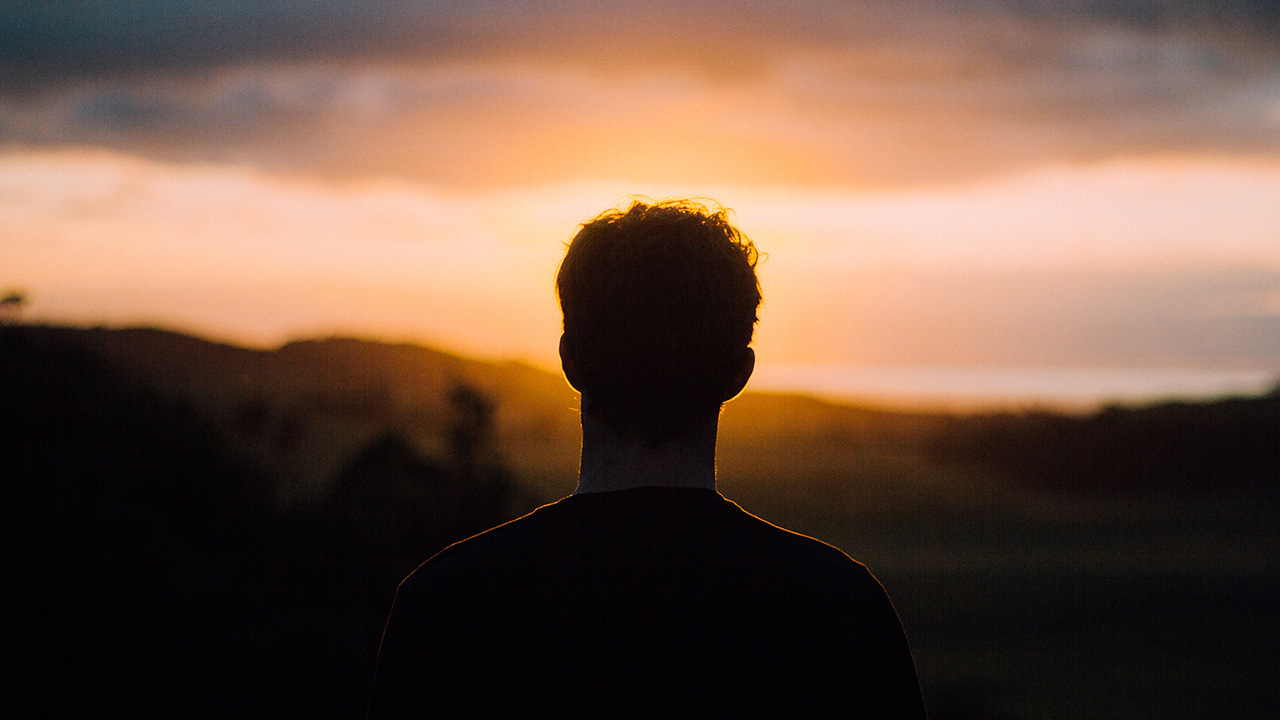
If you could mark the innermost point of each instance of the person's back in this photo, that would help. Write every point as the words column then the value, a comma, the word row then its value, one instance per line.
column 646, row 591
column 644, row 601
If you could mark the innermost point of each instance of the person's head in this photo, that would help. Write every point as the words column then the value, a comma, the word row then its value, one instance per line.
column 659, row 304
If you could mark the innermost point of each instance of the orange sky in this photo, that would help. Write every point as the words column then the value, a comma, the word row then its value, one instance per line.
column 940, row 189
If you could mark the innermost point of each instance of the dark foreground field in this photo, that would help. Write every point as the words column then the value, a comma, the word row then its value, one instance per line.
column 1159, row 609
column 195, row 529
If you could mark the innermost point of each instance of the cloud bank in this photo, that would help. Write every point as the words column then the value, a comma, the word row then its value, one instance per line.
column 505, row 93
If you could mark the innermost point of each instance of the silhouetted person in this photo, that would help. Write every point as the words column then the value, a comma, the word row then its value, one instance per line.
column 646, row 592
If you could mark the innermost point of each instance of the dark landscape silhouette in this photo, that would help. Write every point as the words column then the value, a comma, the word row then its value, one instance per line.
column 203, row 530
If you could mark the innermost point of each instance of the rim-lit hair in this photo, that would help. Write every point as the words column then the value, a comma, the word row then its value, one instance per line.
column 659, row 304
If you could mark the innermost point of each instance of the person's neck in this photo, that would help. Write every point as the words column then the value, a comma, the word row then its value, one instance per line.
column 613, row 460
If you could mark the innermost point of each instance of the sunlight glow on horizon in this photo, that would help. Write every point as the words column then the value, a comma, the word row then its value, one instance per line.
column 851, row 276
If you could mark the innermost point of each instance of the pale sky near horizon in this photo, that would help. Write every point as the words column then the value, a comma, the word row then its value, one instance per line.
column 1030, row 184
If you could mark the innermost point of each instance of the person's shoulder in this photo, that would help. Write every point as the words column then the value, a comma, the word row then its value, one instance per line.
column 485, row 549
column 800, row 551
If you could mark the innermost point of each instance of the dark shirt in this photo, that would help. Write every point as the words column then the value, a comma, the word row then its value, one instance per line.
column 639, row 602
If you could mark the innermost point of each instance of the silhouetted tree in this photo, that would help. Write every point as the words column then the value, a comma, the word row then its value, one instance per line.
column 11, row 306
column 471, row 431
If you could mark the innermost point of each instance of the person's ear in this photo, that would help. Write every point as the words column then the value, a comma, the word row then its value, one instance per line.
column 567, row 362
column 743, row 375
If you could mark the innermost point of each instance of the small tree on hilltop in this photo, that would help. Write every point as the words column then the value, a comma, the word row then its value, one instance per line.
column 11, row 307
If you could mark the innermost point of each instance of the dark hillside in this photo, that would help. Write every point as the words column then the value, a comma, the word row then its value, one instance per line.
column 305, row 408
column 1224, row 444
column 136, row 542
column 155, row 570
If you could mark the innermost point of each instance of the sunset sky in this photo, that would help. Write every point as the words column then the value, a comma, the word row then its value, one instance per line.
column 1017, row 189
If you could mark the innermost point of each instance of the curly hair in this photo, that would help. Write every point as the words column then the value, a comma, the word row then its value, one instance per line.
column 659, row 304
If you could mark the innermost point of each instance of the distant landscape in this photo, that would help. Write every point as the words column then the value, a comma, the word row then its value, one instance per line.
column 208, row 529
